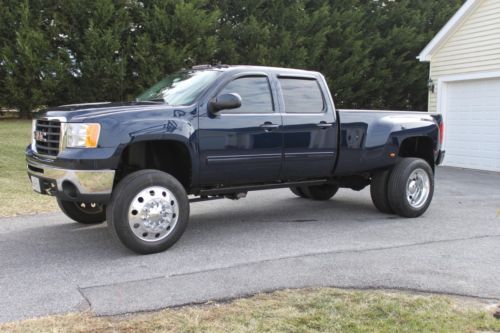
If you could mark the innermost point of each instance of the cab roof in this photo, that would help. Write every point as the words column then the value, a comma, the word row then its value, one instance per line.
column 267, row 69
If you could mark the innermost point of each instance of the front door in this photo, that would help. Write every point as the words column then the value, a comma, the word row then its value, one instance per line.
column 244, row 145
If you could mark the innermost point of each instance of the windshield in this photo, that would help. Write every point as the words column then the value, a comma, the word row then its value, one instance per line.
column 181, row 88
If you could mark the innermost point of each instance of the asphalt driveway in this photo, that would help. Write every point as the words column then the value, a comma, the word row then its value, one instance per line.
column 270, row 240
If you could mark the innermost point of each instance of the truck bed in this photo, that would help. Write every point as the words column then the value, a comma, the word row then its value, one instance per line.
column 367, row 138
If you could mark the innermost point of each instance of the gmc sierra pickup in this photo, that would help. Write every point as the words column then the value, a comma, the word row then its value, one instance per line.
column 218, row 132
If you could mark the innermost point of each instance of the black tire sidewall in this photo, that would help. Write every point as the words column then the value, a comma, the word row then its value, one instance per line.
column 320, row 192
column 70, row 209
column 298, row 191
column 123, row 195
column 397, row 187
column 379, row 192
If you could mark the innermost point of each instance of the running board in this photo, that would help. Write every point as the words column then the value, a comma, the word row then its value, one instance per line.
column 246, row 188
column 205, row 198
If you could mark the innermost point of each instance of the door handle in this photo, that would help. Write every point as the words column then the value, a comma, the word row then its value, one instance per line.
column 269, row 126
column 324, row 125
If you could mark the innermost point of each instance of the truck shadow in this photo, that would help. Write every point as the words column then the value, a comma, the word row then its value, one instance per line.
column 292, row 210
column 209, row 224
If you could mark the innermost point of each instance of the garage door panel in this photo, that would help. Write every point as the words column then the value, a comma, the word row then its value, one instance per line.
column 487, row 135
column 472, row 135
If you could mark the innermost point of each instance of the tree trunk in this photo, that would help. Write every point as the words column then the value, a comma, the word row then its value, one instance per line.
column 25, row 112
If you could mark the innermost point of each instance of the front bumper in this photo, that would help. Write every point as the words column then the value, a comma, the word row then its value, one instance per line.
column 74, row 185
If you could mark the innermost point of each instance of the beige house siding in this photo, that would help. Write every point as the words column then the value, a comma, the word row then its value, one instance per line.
column 473, row 47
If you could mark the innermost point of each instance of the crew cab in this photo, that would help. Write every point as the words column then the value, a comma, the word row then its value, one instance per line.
column 214, row 132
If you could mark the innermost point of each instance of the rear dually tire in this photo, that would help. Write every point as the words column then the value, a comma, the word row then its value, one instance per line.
column 297, row 190
column 320, row 192
column 411, row 187
column 379, row 191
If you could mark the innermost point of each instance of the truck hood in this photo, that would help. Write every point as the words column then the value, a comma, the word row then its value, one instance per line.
column 123, row 110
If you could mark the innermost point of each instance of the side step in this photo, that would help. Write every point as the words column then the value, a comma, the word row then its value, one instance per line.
column 246, row 188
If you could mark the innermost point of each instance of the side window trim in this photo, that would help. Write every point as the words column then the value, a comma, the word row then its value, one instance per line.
column 297, row 76
column 249, row 75
column 324, row 108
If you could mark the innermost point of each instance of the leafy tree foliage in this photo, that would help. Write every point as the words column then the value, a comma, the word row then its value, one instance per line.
column 58, row 52
column 27, row 62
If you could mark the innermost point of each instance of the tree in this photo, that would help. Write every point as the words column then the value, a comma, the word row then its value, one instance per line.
column 29, row 69
column 169, row 35
column 56, row 52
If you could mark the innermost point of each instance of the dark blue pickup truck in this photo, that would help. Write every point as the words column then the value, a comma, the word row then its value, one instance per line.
column 218, row 132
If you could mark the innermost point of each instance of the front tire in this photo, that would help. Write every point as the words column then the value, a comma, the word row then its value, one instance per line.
column 83, row 212
column 149, row 211
column 411, row 187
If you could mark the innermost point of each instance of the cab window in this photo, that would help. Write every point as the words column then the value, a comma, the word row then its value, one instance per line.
column 302, row 95
column 255, row 93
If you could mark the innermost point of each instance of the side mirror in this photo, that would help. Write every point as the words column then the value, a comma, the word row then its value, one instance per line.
column 224, row 102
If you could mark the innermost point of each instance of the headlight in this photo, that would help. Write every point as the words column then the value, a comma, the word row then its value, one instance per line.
column 33, row 129
column 81, row 135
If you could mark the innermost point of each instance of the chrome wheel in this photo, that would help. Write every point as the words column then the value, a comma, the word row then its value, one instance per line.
column 418, row 188
column 153, row 213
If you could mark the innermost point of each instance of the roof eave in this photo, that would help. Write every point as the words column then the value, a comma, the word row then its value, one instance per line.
column 447, row 30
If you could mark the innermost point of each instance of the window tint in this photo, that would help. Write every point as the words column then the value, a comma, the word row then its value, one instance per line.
column 255, row 94
column 302, row 96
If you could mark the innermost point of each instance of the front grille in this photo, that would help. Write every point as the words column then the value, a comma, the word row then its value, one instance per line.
column 47, row 137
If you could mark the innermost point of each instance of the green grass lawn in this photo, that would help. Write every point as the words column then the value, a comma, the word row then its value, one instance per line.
column 15, row 189
column 318, row 310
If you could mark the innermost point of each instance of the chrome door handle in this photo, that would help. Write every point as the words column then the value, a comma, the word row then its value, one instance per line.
column 324, row 124
column 268, row 126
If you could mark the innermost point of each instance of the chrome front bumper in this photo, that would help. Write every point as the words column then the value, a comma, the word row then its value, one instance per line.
column 86, row 182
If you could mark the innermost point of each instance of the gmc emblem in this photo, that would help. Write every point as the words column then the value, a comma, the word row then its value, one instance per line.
column 40, row 136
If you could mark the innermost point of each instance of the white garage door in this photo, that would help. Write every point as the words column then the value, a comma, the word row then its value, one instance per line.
column 472, row 127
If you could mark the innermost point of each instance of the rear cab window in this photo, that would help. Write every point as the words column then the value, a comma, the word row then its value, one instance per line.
column 302, row 95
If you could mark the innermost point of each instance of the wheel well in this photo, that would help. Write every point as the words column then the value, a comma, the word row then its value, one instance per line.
column 421, row 147
column 169, row 156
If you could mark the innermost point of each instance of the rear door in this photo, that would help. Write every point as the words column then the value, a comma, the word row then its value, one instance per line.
column 244, row 145
column 310, row 131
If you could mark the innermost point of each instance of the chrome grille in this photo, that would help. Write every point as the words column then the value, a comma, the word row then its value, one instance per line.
column 47, row 137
